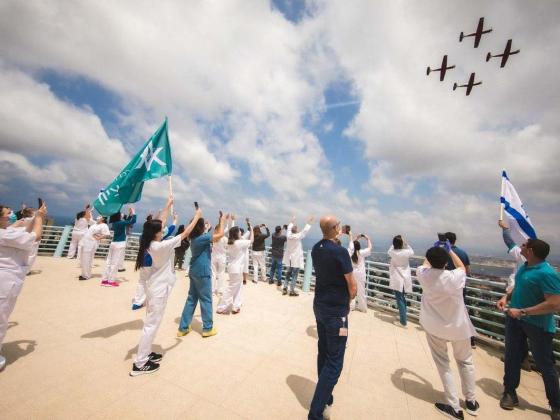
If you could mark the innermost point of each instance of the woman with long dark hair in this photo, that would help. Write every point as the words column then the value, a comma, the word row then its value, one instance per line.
column 200, row 275
column 158, row 254
column 400, row 279
column 358, row 257
column 236, row 249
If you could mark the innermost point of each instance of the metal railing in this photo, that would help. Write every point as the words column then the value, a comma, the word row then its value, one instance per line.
column 481, row 293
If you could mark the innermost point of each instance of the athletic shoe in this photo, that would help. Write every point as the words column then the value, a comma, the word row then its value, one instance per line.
column 508, row 401
column 120, row 270
column 284, row 291
column 327, row 412
column 105, row 283
column 210, row 333
column 82, row 278
column 271, row 282
column 398, row 324
column 182, row 333
column 155, row 357
column 473, row 343
column 254, row 281
column 2, row 362
column 113, row 284
column 279, row 284
column 236, row 311
column 472, row 407
column 149, row 367
column 244, row 281
column 135, row 307
column 449, row 412
column 294, row 293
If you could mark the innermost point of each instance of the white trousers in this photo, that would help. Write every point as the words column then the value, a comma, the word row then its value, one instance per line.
column 116, row 252
column 155, row 308
column 140, row 295
column 259, row 260
column 462, row 353
column 231, row 299
column 86, row 261
column 74, row 244
column 218, row 273
column 121, row 261
column 10, row 288
column 361, row 300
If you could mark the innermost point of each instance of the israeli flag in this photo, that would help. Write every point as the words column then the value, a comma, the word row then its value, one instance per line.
column 518, row 220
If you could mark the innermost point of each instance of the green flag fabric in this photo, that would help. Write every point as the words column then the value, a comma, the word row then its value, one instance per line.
column 152, row 161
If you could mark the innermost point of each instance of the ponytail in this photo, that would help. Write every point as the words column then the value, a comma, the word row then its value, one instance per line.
column 233, row 235
column 151, row 229
column 357, row 248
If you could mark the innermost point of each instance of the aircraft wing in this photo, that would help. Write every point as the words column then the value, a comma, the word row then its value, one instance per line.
column 504, row 60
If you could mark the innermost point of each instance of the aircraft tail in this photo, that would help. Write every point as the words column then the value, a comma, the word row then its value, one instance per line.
column 488, row 57
column 428, row 70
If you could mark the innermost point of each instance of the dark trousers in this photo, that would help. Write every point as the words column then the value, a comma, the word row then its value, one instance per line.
column 330, row 357
column 179, row 258
column 540, row 342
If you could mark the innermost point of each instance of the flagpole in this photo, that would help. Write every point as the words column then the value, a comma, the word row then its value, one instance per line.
column 502, row 194
column 170, row 192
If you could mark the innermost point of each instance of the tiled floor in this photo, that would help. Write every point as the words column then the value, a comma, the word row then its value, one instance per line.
column 70, row 346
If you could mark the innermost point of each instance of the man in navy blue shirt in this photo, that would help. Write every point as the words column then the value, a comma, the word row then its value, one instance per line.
column 335, row 287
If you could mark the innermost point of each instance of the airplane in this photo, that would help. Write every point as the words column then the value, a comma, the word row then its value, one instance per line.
column 478, row 34
column 505, row 55
column 469, row 85
column 442, row 69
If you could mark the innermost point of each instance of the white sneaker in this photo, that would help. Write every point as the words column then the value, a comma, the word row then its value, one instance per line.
column 327, row 412
column 398, row 324
column 2, row 362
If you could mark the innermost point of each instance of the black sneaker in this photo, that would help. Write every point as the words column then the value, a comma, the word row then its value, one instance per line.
column 284, row 292
column 155, row 357
column 271, row 282
column 448, row 411
column 472, row 407
column 120, row 270
column 82, row 278
column 294, row 293
column 473, row 343
column 149, row 367
column 508, row 401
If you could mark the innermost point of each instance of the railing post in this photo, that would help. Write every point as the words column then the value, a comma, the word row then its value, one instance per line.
column 62, row 242
column 307, row 272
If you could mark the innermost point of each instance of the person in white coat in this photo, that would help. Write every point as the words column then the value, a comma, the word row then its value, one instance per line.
column 89, row 244
column 16, row 246
column 84, row 220
column 445, row 319
column 293, row 255
column 358, row 257
column 158, row 254
column 237, row 247
column 219, row 260
column 400, row 277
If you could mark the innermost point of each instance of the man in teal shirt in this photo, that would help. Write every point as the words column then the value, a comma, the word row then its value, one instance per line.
column 530, row 316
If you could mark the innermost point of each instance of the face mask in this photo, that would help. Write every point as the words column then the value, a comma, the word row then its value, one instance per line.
column 12, row 217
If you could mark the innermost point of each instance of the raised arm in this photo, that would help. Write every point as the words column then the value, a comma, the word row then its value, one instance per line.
column 219, row 231
column 164, row 213
column 192, row 224
column 37, row 225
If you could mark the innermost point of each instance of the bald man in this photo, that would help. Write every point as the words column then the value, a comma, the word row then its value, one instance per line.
column 335, row 287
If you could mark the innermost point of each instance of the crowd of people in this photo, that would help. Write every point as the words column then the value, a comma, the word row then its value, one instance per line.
column 219, row 266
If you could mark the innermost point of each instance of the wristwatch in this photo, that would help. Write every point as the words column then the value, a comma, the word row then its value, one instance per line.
column 523, row 312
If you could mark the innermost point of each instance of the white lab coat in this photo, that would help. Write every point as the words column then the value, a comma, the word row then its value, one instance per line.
column 16, row 245
column 80, row 229
column 158, row 286
column 293, row 255
column 231, row 298
column 89, row 245
column 400, row 276
column 359, row 273
column 442, row 311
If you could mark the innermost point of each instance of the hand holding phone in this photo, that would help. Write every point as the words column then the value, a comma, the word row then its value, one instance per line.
column 196, row 205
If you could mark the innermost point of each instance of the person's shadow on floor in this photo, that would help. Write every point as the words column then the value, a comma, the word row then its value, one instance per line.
column 494, row 389
column 302, row 388
column 15, row 350
column 418, row 388
column 107, row 332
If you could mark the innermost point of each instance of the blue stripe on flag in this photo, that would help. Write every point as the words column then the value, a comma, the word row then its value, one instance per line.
column 523, row 224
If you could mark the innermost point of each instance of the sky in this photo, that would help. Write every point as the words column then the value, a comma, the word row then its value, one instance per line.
column 289, row 108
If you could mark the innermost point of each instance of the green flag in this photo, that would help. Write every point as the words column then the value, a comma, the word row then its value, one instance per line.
column 153, row 161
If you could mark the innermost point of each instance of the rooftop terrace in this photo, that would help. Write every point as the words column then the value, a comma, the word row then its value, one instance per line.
column 70, row 346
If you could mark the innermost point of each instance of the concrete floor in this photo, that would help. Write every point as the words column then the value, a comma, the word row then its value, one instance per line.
column 70, row 346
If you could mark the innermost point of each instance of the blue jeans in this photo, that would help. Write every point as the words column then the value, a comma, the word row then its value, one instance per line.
column 199, row 290
column 330, row 357
column 540, row 342
column 291, row 277
column 276, row 268
column 401, row 304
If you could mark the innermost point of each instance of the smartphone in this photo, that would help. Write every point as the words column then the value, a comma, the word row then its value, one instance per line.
column 441, row 237
column 221, row 214
column 196, row 205
column 40, row 203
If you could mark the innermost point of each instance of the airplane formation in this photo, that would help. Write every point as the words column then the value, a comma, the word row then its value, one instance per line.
column 477, row 37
